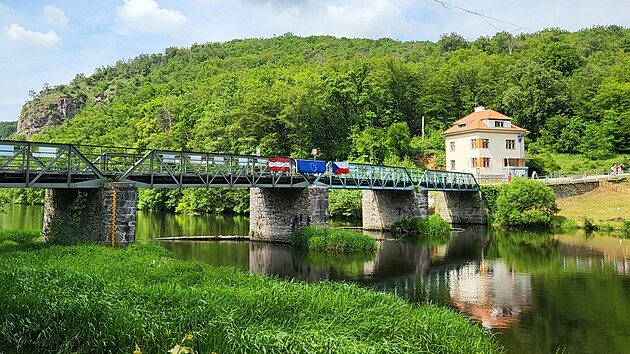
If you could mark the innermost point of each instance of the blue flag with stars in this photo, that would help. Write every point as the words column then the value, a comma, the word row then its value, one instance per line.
column 311, row 166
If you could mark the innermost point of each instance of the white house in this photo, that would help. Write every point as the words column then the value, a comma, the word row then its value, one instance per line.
column 486, row 144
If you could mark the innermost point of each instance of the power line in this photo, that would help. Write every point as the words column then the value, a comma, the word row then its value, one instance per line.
column 483, row 17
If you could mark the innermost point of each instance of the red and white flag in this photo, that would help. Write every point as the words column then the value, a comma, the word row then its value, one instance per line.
column 279, row 164
column 340, row 168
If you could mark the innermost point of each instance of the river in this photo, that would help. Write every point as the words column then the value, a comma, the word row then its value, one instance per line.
column 539, row 293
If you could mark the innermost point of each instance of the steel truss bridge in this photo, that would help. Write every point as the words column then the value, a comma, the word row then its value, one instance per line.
column 49, row 165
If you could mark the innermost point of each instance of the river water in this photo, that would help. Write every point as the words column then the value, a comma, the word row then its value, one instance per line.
column 539, row 293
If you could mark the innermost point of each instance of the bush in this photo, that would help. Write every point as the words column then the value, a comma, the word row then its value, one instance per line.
column 489, row 194
column 569, row 225
column 318, row 238
column 526, row 203
column 589, row 226
column 433, row 230
column 625, row 228
column 606, row 227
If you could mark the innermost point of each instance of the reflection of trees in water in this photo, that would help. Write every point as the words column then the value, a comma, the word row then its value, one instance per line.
column 467, row 244
column 288, row 262
column 525, row 251
column 164, row 224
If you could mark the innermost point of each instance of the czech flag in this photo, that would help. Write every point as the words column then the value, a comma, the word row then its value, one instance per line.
column 311, row 166
column 279, row 164
column 340, row 168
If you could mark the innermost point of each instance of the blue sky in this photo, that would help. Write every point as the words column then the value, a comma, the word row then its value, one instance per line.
column 51, row 41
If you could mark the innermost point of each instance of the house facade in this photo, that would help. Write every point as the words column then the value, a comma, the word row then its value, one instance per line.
column 486, row 144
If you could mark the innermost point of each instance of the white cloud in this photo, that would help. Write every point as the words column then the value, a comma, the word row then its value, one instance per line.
column 55, row 16
column 148, row 16
column 20, row 35
column 354, row 18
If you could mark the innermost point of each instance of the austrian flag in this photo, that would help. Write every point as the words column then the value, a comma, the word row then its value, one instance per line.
column 279, row 164
column 340, row 168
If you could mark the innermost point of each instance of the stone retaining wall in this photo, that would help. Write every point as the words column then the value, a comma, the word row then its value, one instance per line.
column 573, row 189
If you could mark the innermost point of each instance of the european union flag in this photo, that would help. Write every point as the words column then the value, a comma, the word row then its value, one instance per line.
column 311, row 166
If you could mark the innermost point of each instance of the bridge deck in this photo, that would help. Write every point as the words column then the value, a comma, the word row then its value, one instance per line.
column 48, row 165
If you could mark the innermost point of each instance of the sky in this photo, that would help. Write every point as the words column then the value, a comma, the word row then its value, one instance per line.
column 51, row 41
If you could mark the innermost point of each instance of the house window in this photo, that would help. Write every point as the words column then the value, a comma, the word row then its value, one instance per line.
column 510, row 144
column 473, row 143
column 498, row 124
column 452, row 165
column 452, row 146
column 473, row 162
column 485, row 143
column 486, row 162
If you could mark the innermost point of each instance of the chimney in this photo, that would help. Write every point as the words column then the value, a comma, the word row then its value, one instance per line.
column 479, row 109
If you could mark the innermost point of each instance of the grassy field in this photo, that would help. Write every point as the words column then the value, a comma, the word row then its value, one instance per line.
column 94, row 299
column 575, row 163
column 600, row 205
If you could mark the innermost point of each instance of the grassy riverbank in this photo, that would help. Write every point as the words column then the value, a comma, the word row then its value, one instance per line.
column 600, row 205
column 90, row 298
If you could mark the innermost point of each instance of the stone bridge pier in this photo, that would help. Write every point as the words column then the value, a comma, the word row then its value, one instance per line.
column 91, row 215
column 381, row 208
column 275, row 212
column 460, row 207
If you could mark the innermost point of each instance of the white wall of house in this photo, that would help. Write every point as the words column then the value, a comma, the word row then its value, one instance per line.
column 497, row 150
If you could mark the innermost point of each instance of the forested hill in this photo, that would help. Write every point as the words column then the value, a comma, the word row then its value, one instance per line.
column 355, row 98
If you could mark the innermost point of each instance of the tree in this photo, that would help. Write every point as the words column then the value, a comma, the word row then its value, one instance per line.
column 526, row 203
column 539, row 93
column 452, row 42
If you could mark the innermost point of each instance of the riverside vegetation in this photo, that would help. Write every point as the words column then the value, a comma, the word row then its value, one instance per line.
column 91, row 298
column 433, row 230
column 318, row 238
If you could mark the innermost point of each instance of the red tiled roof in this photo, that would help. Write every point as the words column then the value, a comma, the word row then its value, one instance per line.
column 474, row 121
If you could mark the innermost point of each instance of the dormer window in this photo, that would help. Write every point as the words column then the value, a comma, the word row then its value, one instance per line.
column 461, row 125
column 498, row 124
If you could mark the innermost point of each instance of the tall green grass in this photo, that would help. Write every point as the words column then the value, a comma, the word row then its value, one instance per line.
column 94, row 299
column 434, row 230
column 319, row 238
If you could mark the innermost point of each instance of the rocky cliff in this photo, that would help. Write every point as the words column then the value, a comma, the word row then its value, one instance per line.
column 48, row 110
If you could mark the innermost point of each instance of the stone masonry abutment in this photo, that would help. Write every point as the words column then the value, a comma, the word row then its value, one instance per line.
column 381, row 208
column 91, row 215
column 275, row 212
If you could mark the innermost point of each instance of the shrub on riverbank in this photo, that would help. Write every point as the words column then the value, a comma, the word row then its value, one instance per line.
column 525, row 203
column 91, row 298
column 318, row 238
column 434, row 229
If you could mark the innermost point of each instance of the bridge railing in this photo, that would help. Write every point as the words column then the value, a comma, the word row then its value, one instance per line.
column 23, row 164
column 448, row 181
column 367, row 176
column 163, row 168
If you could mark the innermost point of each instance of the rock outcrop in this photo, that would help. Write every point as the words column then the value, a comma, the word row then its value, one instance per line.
column 46, row 111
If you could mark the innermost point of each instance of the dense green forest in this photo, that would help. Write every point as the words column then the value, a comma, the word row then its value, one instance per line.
column 357, row 99
column 7, row 129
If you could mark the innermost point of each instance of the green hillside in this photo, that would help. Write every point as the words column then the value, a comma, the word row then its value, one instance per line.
column 360, row 99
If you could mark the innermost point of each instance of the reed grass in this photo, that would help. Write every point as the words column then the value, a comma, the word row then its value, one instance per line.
column 318, row 238
column 94, row 299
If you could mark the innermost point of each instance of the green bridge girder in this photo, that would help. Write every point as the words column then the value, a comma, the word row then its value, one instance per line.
column 51, row 165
